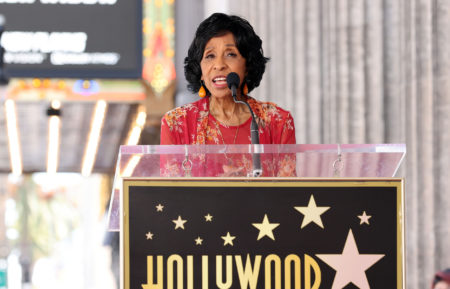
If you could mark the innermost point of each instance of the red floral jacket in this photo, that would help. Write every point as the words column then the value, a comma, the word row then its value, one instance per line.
column 190, row 124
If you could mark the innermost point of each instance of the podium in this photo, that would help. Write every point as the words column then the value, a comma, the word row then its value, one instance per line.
column 321, row 216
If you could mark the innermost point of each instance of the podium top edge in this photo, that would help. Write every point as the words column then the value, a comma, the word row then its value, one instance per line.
column 263, row 148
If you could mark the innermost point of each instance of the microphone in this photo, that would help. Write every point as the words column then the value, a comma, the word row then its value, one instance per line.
column 233, row 83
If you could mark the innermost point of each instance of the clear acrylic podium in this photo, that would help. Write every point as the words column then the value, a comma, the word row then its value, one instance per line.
column 190, row 207
column 310, row 161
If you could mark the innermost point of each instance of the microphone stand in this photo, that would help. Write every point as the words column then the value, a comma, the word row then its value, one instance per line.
column 254, row 135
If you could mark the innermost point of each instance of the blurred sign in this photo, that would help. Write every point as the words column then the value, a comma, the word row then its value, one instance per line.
column 72, row 38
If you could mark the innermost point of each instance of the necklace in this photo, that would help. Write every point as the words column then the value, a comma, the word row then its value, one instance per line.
column 221, row 136
column 229, row 160
column 225, row 122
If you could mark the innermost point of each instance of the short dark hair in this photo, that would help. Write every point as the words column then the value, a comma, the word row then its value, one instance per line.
column 247, row 41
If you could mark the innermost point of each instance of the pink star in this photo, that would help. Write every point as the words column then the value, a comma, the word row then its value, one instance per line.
column 364, row 218
column 350, row 266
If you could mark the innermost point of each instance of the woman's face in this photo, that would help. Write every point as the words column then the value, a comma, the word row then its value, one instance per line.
column 441, row 285
column 220, row 57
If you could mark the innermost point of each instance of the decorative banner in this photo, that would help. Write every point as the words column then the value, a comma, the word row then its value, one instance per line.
column 263, row 234
column 159, row 44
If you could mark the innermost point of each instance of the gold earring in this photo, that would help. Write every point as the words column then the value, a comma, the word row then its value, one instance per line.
column 202, row 91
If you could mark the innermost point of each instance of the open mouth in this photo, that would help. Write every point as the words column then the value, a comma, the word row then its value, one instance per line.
column 220, row 80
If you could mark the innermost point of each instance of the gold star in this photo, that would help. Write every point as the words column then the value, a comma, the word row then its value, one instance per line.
column 159, row 208
column 312, row 213
column 228, row 239
column 198, row 241
column 208, row 218
column 265, row 228
column 179, row 223
column 364, row 218
column 149, row 236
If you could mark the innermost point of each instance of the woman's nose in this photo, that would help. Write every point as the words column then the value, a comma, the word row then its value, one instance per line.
column 219, row 64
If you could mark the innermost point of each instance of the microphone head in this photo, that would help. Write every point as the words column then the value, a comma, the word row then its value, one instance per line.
column 233, row 80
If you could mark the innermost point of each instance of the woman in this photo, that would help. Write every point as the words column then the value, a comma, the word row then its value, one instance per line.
column 441, row 280
column 225, row 44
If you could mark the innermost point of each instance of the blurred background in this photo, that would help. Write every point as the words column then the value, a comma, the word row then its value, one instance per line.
column 79, row 78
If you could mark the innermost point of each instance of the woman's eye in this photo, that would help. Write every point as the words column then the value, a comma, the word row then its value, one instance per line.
column 209, row 56
column 232, row 54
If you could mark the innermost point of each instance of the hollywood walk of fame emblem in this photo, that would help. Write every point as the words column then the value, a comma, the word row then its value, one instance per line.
column 296, row 234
